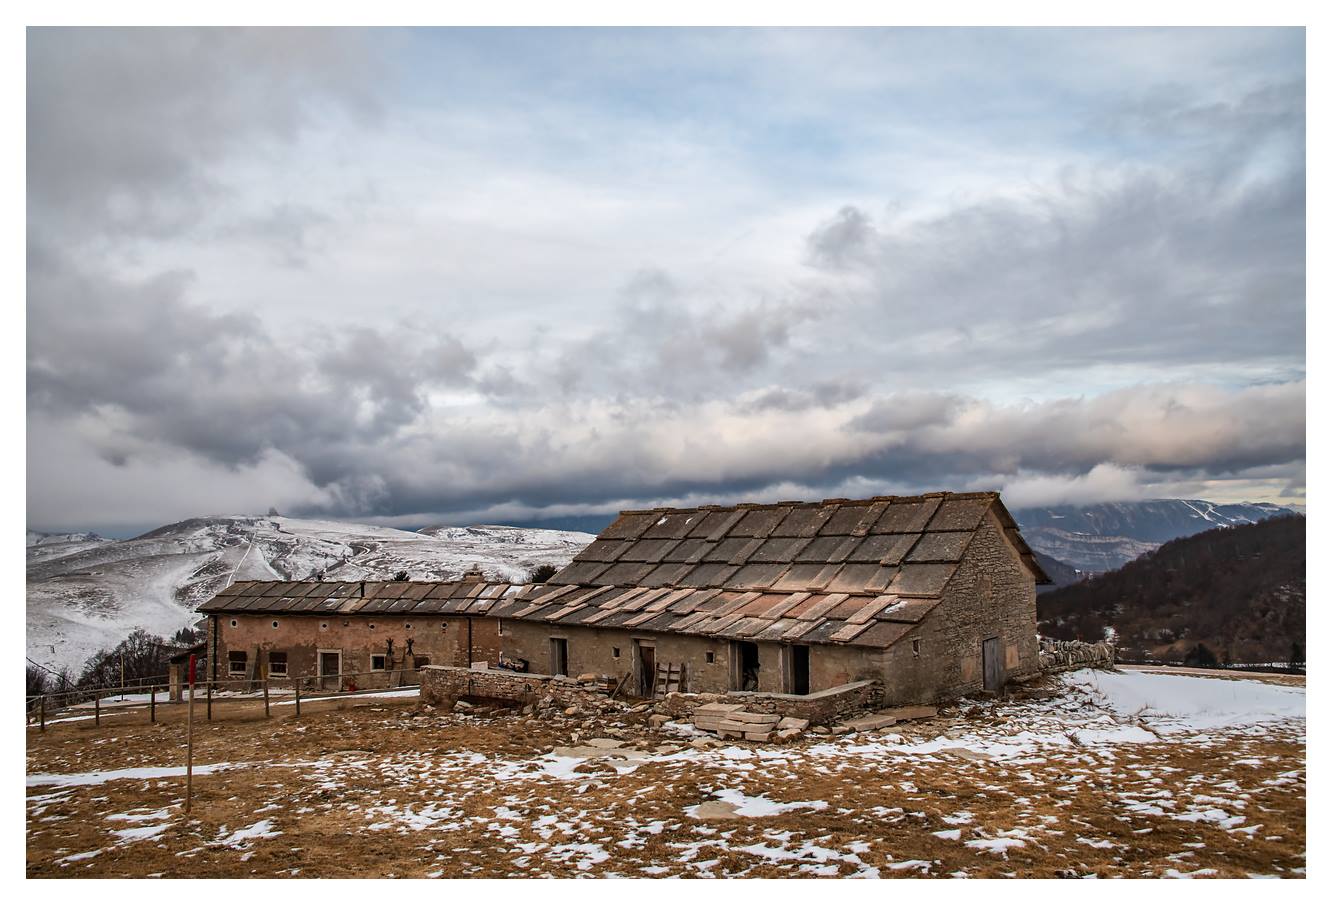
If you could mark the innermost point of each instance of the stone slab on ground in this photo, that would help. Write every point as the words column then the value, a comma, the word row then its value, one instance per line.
column 604, row 743
column 744, row 716
column 715, row 810
column 790, row 722
column 922, row 712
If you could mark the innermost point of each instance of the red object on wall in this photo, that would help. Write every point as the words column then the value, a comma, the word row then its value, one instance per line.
column 193, row 660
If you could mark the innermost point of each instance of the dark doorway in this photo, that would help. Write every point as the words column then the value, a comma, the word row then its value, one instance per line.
column 559, row 657
column 647, row 670
column 800, row 669
column 744, row 666
column 991, row 666
column 330, row 665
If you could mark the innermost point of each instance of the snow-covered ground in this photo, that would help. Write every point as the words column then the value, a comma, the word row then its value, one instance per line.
column 1086, row 776
column 86, row 593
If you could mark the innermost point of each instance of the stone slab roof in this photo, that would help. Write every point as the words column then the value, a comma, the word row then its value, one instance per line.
column 859, row 572
column 361, row 598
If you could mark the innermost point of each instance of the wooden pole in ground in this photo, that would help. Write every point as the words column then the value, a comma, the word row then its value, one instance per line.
column 189, row 743
column 41, row 705
column 266, row 714
column 122, row 676
column 298, row 697
column 97, row 710
column 152, row 703
column 208, row 693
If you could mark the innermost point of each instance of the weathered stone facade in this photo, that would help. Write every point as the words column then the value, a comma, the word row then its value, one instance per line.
column 355, row 639
column 616, row 652
column 991, row 595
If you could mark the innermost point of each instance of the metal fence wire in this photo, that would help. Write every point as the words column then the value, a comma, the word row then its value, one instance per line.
column 145, row 698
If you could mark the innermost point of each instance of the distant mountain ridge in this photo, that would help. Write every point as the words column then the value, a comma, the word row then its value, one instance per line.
column 1100, row 537
column 85, row 592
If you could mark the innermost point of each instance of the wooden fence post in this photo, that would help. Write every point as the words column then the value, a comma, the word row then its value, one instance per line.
column 189, row 742
column 266, row 713
column 152, row 703
column 298, row 697
column 97, row 710
column 41, row 704
column 208, row 693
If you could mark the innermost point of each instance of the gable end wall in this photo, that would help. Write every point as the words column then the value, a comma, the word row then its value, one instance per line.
column 991, row 595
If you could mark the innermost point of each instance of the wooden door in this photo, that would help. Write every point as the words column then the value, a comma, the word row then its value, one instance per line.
column 559, row 657
column 991, row 666
column 330, row 666
column 647, row 671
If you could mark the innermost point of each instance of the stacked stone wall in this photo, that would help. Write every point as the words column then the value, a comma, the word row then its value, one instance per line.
column 1057, row 656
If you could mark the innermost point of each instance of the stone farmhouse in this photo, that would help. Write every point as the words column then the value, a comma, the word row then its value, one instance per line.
column 926, row 597
column 371, row 631
column 934, row 596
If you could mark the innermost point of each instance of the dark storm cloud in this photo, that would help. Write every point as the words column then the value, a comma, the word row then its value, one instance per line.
column 883, row 357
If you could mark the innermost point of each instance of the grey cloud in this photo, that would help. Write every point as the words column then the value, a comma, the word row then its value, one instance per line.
column 127, row 126
column 823, row 393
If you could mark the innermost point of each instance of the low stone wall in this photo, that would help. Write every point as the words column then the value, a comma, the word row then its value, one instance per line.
column 821, row 707
column 443, row 686
column 1057, row 656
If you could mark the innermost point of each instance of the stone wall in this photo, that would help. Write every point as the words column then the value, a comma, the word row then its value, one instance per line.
column 992, row 595
column 1057, row 656
column 440, row 640
column 443, row 686
column 822, row 707
column 706, row 661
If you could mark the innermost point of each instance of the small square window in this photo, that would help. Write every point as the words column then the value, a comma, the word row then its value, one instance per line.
column 323, row 626
column 710, row 657
column 915, row 647
column 378, row 661
column 499, row 625
column 236, row 660
column 615, row 652
column 277, row 663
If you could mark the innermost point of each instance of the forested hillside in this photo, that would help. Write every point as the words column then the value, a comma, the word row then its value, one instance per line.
column 1230, row 595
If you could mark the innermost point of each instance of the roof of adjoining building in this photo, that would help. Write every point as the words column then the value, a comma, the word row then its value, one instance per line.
column 859, row 572
column 466, row 597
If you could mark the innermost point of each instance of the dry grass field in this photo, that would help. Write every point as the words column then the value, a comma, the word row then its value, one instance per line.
column 1057, row 781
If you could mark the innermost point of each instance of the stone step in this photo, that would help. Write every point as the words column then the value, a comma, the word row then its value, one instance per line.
column 910, row 713
column 744, row 716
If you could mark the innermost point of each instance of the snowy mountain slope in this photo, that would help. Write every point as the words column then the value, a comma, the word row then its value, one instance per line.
column 1104, row 536
column 86, row 592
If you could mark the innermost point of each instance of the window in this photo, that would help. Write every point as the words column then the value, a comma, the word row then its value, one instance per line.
column 233, row 623
column 615, row 652
column 407, row 626
column 236, row 660
column 378, row 661
column 277, row 663
column 499, row 623
column 915, row 647
column 372, row 625
column 323, row 626
column 710, row 657
column 274, row 623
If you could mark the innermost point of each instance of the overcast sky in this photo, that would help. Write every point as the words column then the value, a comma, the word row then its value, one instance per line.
column 509, row 275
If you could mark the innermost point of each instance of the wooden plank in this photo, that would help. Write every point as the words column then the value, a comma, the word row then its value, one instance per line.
column 849, row 631
column 780, row 609
column 866, row 613
column 824, row 607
